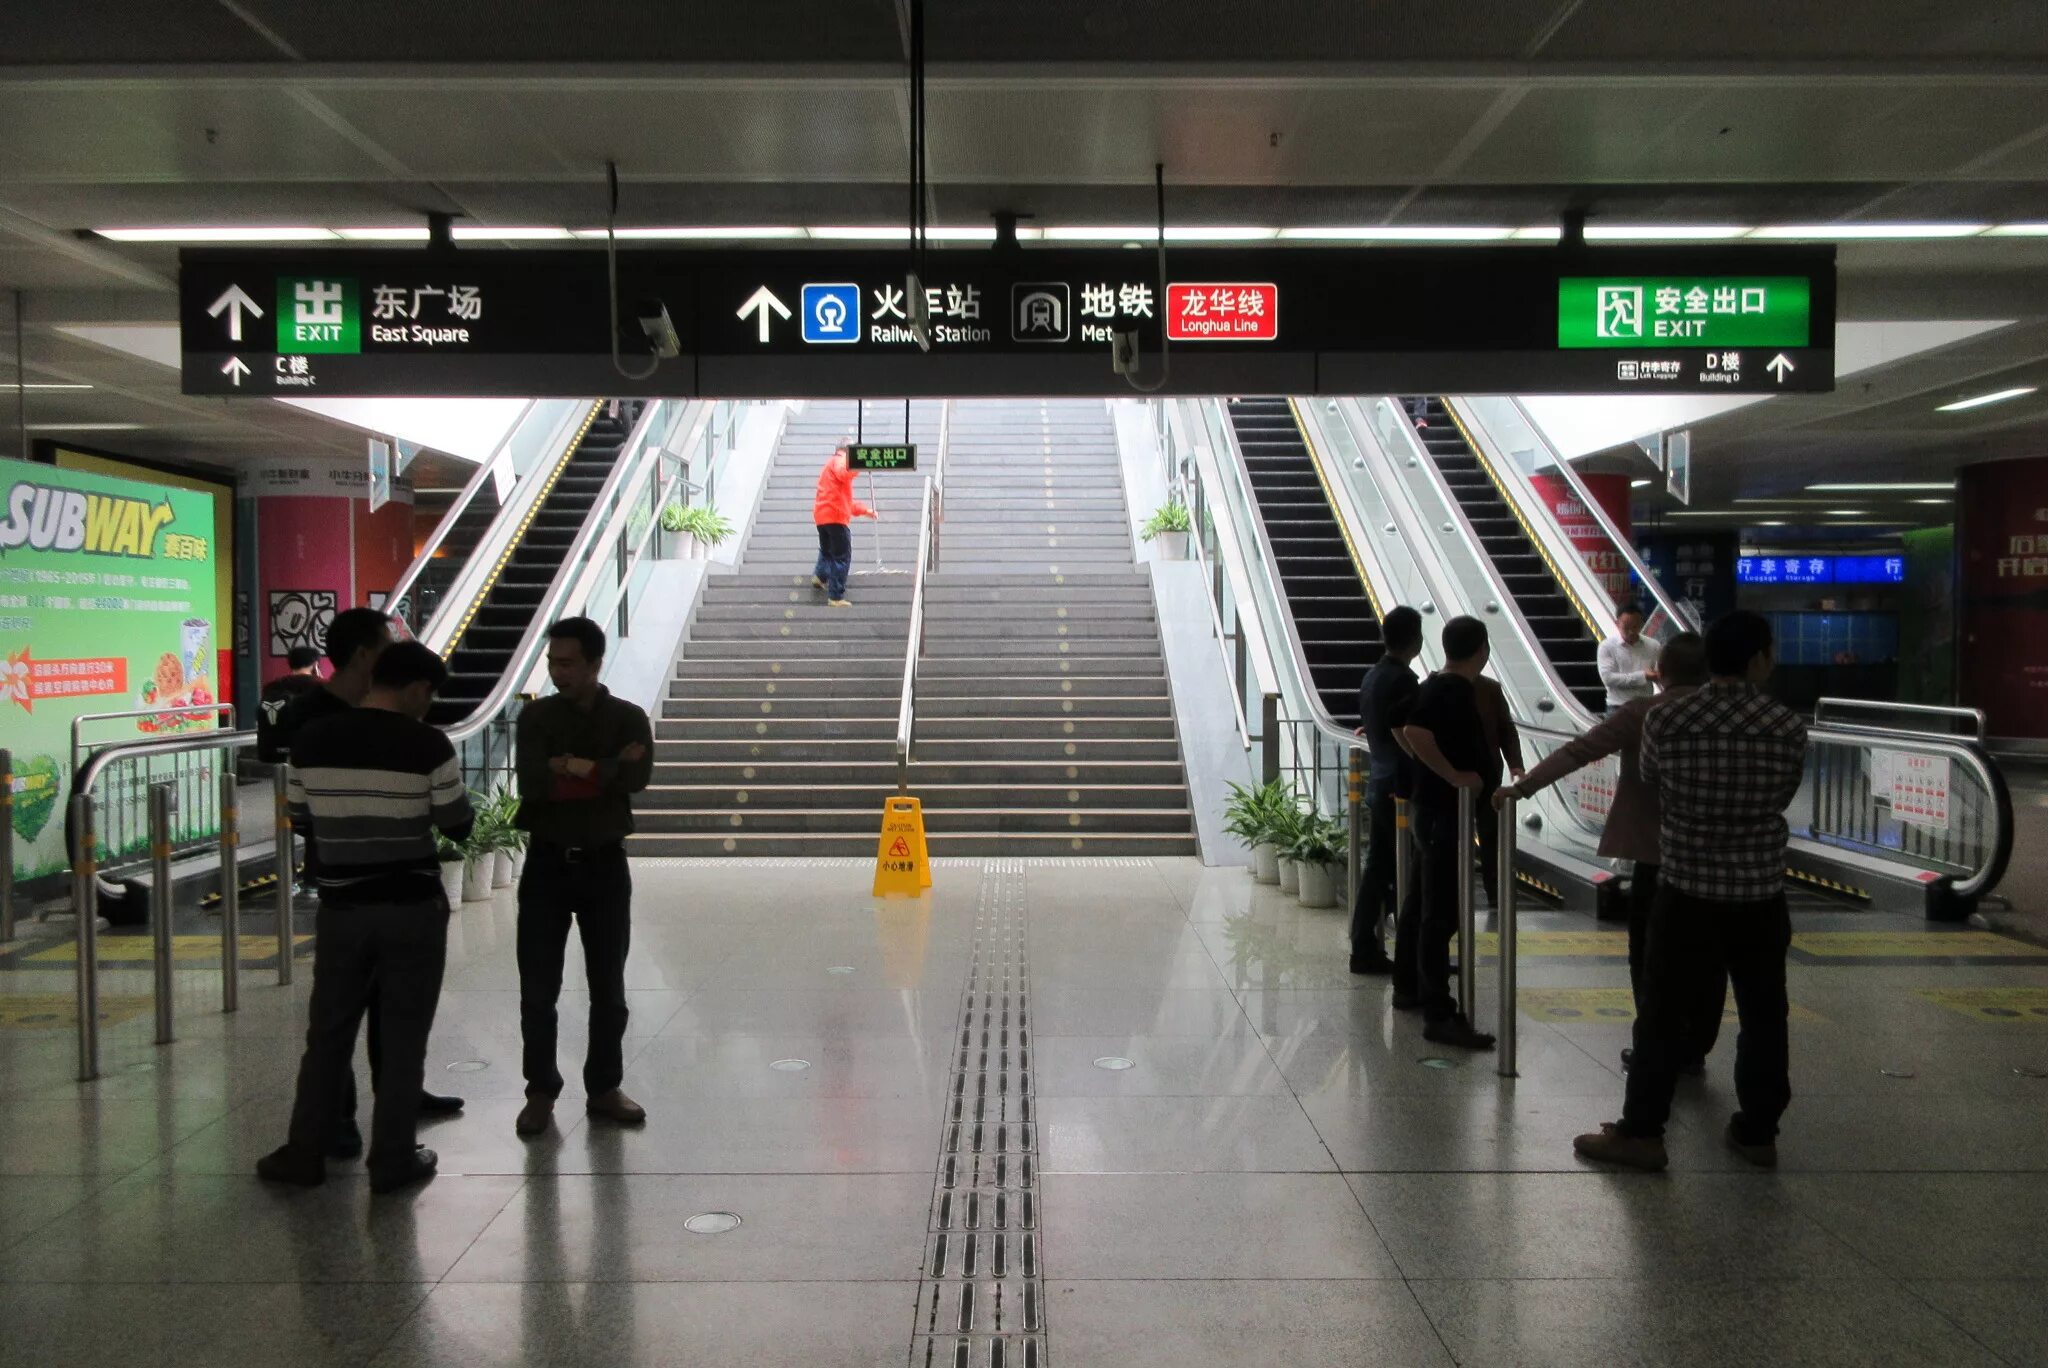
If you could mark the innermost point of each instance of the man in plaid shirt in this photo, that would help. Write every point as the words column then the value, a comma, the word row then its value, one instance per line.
column 1726, row 763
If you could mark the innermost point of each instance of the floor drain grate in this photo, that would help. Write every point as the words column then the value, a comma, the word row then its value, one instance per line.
column 981, row 1293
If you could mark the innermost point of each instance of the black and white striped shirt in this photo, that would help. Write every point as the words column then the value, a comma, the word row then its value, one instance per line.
column 376, row 784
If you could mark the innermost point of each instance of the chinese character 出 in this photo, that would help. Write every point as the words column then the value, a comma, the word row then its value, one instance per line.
column 318, row 302
column 1724, row 299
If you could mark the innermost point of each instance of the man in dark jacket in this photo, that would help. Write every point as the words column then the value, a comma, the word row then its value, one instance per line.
column 1384, row 697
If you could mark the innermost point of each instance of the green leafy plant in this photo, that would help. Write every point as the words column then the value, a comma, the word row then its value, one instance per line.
column 1319, row 841
column 1168, row 517
column 1288, row 822
column 1258, row 816
column 701, row 521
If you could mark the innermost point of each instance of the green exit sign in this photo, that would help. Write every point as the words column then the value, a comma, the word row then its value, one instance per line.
column 317, row 315
column 1684, row 311
column 882, row 456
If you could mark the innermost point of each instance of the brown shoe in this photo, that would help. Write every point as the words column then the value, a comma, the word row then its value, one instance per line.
column 1763, row 1156
column 536, row 1116
column 1610, row 1146
column 616, row 1106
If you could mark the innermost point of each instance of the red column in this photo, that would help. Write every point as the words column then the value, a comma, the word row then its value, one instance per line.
column 2002, row 538
column 319, row 549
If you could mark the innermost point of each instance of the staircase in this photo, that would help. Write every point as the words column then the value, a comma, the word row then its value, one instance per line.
column 483, row 651
column 1044, row 722
column 1560, row 632
column 1333, row 617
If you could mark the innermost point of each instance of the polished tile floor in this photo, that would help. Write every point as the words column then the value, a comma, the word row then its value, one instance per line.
column 1285, row 1174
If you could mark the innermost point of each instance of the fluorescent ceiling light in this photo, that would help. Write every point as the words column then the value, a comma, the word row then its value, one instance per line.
column 382, row 234
column 882, row 233
column 1539, row 234
column 2018, row 230
column 1662, row 232
column 1879, row 231
column 699, row 234
column 1894, row 484
column 1772, row 522
column 12, row 388
column 1395, row 233
column 1979, row 401
column 83, row 427
column 471, row 232
column 216, row 234
column 1943, row 502
column 1640, row 484
column 1087, row 233
column 1846, row 512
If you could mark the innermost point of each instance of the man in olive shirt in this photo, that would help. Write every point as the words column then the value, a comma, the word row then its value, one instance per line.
column 581, row 753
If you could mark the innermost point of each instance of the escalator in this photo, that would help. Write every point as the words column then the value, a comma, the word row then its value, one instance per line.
column 1333, row 615
column 482, row 650
column 1558, row 628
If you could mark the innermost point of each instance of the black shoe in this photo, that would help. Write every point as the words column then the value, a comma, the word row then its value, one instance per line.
column 421, row 1167
column 1370, row 963
column 438, row 1104
column 288, row 1165
column 1407, row 1002
column 1628, row 1057
column 1695, row 1069
column 1457, row 1031
column 347, row 1140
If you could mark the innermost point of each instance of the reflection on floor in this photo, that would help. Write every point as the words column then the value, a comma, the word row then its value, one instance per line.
column 1278, row 1178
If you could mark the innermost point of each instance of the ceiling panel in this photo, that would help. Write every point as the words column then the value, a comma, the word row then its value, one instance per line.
column 178, row 131
column 1749, row 30
column 83, row 32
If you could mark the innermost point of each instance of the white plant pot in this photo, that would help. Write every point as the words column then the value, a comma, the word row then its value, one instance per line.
column 1319, row 885
column 1172, row 546
column 476, row 879
column 451, row 880
column 1266, row 863
column 518, row 863
column 1290, row 875
column 503, row 872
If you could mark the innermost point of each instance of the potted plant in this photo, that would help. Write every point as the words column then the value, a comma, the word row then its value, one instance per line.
column 1251, row 816
column 451, row 867
column 1169, row 526
column 1318, row 850
column 700, row 526
column 511, row 852
column 1287, row 827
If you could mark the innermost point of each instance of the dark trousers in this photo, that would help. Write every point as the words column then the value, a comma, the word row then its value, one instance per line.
column 1429, row 919
column 835, row 557
column 1692, row 943
column 1373, row 907
column 1705, row 1028
column 593, row 888
column 1486, row 829
column 398, row 951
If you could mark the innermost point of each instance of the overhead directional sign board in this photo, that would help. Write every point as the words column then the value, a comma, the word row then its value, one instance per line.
column 882, row 456
column 1527, row 320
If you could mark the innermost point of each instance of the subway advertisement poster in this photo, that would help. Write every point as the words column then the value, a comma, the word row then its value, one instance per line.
column 106, row 606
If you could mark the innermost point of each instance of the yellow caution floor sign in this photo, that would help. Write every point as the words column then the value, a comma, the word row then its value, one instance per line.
column 902, row 862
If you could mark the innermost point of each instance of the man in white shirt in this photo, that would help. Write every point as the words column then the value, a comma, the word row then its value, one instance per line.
column 1628, row 662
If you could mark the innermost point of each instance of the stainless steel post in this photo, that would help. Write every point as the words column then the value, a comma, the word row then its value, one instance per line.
column 1468, row 920
column 1404, row 863
column 230, row 890
column 1354, row 791
column 6, row 844
column 160, row 910
column 1269, row 738
column 283, row 861
column 85, row 903
column 1504, row 880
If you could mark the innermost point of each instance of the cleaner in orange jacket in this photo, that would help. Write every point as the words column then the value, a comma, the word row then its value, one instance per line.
column 833, row 511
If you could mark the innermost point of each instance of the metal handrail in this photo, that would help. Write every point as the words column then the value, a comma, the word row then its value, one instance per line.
column 1171, row 422
column 1236, row 563
column 189, row 709
column 558, row 591
column 913, row 648
column 1974, row 716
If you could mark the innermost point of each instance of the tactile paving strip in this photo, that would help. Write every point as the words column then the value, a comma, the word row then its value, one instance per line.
column 981, row 1297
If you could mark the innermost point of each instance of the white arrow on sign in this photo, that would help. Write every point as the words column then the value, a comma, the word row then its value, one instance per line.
column 234, row 370
column 759, row 304
column 234, row 299
column 1781, row 366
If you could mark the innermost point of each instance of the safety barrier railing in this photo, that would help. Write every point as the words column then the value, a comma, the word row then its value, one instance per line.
column 124, row 828
column 913, row 647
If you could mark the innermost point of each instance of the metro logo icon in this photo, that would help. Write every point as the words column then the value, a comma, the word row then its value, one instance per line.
column 1223, row 311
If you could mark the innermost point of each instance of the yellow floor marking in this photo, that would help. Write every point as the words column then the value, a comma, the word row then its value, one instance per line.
column 1913, row 945
column 57, row 1011
column 139, row 950
column 1615, row 1005
column 2000, row 1005
column 1599, row 944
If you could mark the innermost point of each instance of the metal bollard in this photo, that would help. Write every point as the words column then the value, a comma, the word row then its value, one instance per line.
column 230, row 891
column 160, row 907
column 1404, row 864
column 6, row 844
column 1354, row 788
column 85, row 904
column 1468, row 918
column 283, row 860
column 1504, row 880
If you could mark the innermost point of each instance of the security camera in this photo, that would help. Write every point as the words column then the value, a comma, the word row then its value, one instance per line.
column 920, row 313
column 662, row 339
column 1123, row 352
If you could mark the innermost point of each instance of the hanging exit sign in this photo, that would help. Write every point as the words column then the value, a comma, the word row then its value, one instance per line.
column 1684, row 311
column 882, row 456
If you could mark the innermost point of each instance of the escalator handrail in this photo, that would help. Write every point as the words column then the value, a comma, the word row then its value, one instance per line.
column 1234, row 560
column 1562, row 696
column 534, row 643
column 485, row 471
column 1318, row 716
column 1170, row 416
column 1476, row 428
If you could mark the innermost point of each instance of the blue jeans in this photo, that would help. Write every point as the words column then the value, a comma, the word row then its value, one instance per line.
column 835, row 557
